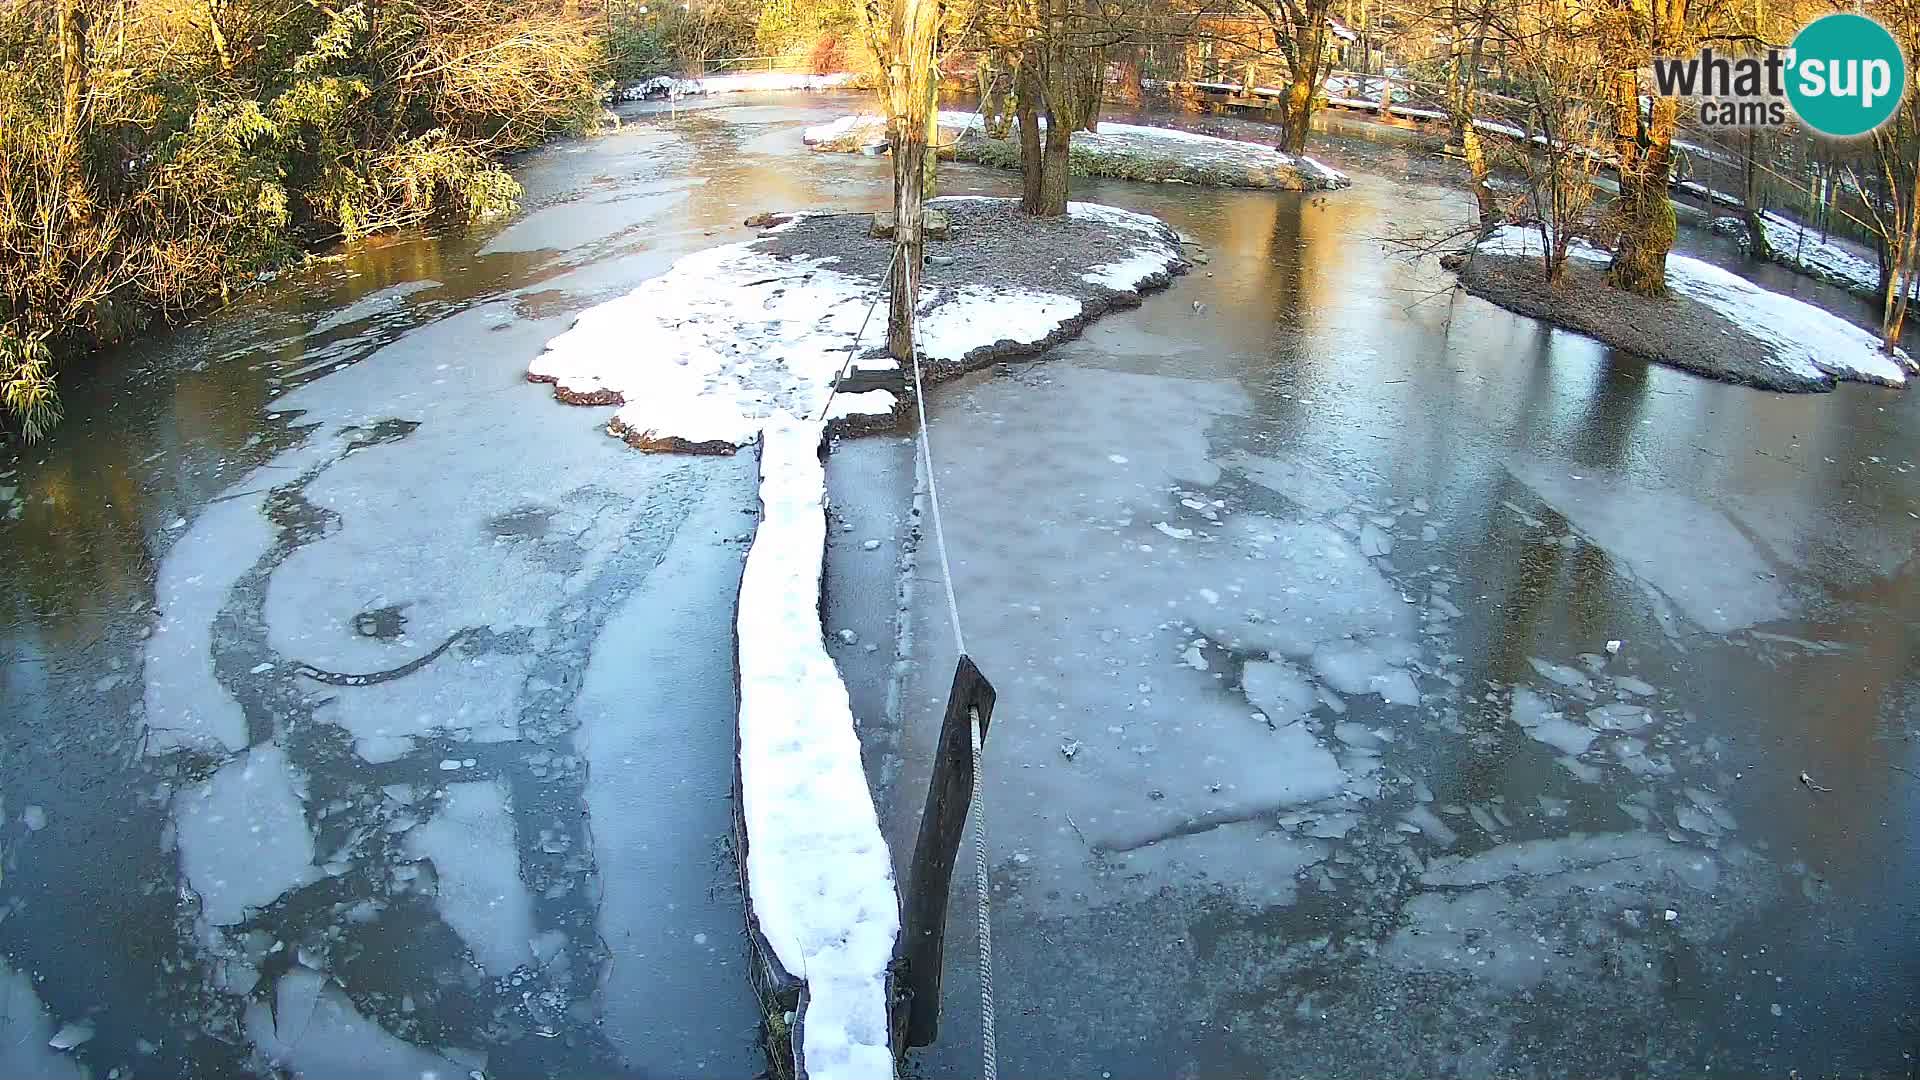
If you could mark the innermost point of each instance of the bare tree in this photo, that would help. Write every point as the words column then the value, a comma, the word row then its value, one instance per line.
column 902, row 37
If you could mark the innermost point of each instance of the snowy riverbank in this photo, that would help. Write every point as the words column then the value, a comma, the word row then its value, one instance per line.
column 1714, row 322
column 665, row 87
column 745, row 343
column 1121, row 151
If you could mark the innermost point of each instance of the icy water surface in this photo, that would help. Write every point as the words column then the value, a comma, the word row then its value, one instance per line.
column 370, row 714
column 1393, row 686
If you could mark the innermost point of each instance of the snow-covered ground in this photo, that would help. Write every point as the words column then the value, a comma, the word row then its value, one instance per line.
column 818, row 869
column 1806, row 340
column 1803, row 248
column 668, row 86
column 1115, row 140
column 731, row 338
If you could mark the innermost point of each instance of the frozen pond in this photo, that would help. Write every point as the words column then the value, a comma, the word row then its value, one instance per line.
column 370, row 714
column 1392, row 686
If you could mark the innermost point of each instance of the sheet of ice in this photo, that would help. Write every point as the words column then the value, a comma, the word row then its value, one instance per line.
column 1657, row 535
column 1357, row 668
column 476, row 862
column 25, row 1029
column 243, row 834
column 1805, row 339
column 819, row 872
column 379, row 302
column 1502, row 915
column 1277, row 689
column 185, row 705
column 1305, row 483
column 315, row 1033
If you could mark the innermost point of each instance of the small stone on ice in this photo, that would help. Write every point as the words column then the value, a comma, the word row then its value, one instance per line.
column 848, row 637
column 871, row 545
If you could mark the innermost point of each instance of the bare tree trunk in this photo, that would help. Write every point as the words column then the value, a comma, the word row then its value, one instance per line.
column 1477, row 169
column 910, row 88
column 72, row 33
column 222, row 52
column 1309, row 64
column 1298, row 112
column 1130, row 89
column 1905, row 263
column 1644, row 212
column 1032, row 162
column 1750, row 198
column 1053, row 182
column 909, row 163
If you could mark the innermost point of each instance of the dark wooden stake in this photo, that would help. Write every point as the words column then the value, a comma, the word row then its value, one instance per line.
column 942, row 825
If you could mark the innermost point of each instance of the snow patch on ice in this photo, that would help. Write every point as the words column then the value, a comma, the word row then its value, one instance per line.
column 818, row 870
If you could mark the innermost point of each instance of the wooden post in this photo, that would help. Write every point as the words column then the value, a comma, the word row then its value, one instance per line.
column 942, row 824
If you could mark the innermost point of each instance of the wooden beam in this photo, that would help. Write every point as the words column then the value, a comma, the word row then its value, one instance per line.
column 942, row 825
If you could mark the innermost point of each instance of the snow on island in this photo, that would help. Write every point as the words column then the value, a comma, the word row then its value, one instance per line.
column 1725, row 326
column 667, row 87
column 744, row 343
column 702, row 357
column 1122, row 151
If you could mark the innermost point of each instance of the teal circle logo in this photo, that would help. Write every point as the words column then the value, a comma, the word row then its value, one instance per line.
column 1845, row 75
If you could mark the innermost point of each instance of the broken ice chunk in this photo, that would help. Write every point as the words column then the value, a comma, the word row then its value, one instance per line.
column 1277, row 689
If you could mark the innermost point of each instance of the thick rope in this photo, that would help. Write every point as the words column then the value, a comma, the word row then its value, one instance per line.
column 989, row 1067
